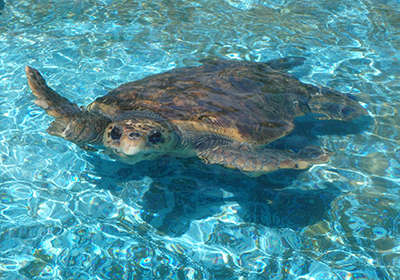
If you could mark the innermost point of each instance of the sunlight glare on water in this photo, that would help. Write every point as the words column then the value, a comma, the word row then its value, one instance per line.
column 70, row 214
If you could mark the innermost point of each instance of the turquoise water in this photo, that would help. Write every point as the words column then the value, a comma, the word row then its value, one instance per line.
column 69, row 214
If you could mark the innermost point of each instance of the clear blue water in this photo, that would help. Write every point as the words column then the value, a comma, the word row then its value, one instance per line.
column 68, row 214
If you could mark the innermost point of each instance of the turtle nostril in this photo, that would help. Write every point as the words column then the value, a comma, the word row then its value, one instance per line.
column 134, row 135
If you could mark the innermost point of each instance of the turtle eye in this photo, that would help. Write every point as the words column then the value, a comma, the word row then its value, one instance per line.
column 154, row 136
column 116, row 133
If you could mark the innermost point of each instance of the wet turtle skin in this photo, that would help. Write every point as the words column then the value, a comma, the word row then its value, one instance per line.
column 223, row 111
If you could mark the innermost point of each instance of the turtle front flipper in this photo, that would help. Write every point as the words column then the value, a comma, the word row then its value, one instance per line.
column 255, row 162
column 71, row 122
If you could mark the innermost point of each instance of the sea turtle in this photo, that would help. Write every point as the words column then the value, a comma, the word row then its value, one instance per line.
column 223, row 111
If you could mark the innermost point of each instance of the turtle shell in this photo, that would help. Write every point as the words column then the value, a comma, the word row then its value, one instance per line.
column 244, row 101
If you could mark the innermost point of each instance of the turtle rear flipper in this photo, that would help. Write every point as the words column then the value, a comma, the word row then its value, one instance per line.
column 285, row 63
column 255, row 162
column 71, row 122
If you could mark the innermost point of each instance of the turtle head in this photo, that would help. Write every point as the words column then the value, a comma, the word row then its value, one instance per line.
column 139, row 138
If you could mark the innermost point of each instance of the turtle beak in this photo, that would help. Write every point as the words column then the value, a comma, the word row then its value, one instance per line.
column 131, row 145
column 124, row 143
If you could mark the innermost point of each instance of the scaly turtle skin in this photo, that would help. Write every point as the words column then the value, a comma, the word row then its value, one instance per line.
column 224, row 111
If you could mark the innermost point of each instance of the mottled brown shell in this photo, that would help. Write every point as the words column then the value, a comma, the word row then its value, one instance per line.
column 245, row 101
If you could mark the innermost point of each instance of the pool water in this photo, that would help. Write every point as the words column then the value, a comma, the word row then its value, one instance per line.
column 69, row 214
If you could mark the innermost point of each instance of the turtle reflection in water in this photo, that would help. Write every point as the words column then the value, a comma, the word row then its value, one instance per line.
column 224, row 112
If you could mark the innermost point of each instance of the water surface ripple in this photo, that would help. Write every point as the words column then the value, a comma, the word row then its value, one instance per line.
column 67, row 214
